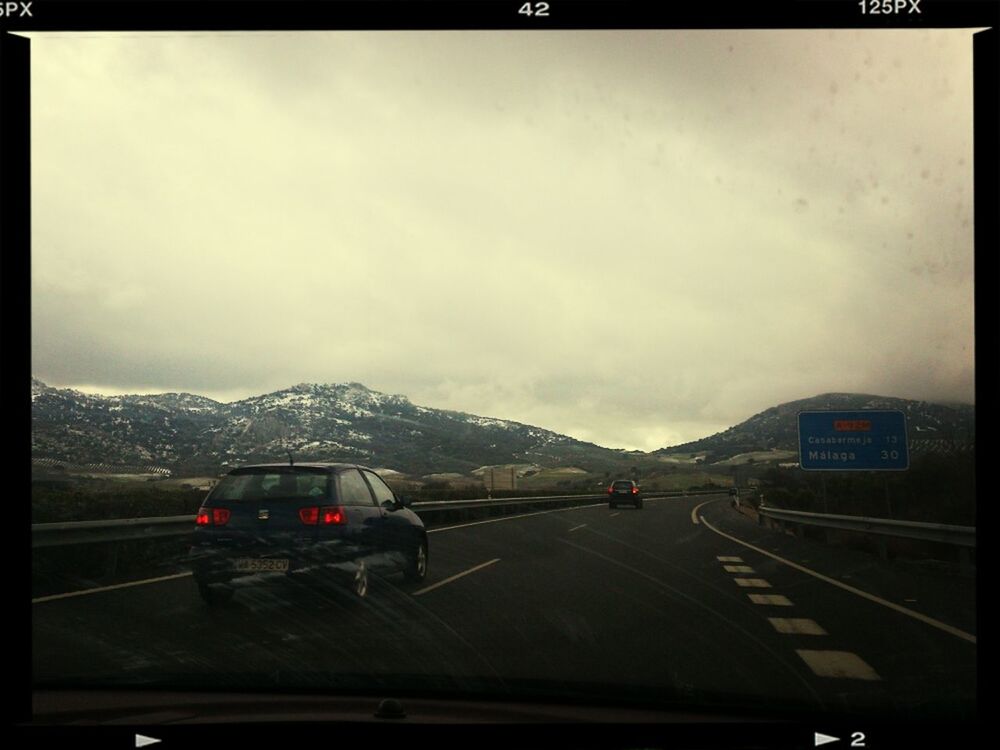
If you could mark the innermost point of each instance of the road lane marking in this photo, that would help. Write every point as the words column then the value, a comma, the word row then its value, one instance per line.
column 578, row 527
column 456, row 576
column 796, row 625
column 617, row 513
column 694, row 511
column 84, row 592
column 737, row 568
column 752, row 583
column 777, row 656
column 841, row 664
column 145, row 581
column 513, row 518
column 729, row 559
column 951, row 630
column 774, row 600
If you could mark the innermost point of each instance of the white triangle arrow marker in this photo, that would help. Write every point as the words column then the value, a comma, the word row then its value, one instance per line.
column 142, row 740
column 822, row 739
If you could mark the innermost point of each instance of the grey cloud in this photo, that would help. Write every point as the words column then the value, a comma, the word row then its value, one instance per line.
column 496, row 222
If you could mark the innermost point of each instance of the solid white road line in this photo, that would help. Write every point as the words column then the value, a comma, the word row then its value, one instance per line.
column 84, row 592
column 695, row 509
column 145, row 581
column 456, row 576
column 864, row 594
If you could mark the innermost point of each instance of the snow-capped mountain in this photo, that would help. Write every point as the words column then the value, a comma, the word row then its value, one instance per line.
column 345, row 422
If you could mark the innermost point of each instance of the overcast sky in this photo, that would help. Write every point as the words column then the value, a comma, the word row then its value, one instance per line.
column 633, row 238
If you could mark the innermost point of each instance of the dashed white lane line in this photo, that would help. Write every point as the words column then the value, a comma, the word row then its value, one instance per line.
column 841, row 664
column 752, row 583
column 796, row 625
column 774, row 600
column 145, row 581
column 615, row 514
column 84, row 592
column 456, row 577
column 513, row 518
column 729, row 559
column 737, row 568
column 578, row 527
column 951, row 630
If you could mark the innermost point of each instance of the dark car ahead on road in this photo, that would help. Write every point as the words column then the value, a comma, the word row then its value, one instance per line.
column 624, row 491
column 315, row 520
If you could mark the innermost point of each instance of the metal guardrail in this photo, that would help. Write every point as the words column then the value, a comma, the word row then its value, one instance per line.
column 111, row 530
column 486, row 502
column 963, row 536
column 127, row 529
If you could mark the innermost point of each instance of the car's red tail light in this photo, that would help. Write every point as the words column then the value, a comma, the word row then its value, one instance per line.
column 212, row 517
column 329, row 515
column 635, row 490
column 333, row 515
column 611, row 489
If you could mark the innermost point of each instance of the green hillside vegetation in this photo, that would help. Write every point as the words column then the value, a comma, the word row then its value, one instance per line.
column 100, row 499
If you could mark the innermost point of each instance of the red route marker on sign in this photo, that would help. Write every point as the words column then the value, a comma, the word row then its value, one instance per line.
column 852, row 425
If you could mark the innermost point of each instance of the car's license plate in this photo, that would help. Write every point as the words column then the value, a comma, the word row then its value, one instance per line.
column 257, row 565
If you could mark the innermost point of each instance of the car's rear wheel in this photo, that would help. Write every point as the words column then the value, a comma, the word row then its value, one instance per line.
column 215, row 595
column 416, row 569
column 612, row 505
column 638, row 504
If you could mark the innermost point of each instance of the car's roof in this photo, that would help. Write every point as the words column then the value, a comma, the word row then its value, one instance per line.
column 330, row 466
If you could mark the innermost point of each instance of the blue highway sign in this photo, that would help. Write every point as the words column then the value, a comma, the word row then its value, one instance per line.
column 865, row 440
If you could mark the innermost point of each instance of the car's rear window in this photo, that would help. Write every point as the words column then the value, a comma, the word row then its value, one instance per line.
column 622, row 485
column 273, row 484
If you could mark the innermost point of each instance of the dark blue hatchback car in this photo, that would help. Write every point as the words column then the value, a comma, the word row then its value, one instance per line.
column 310, row 520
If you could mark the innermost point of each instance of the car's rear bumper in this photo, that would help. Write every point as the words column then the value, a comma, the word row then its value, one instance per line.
column 212, row 562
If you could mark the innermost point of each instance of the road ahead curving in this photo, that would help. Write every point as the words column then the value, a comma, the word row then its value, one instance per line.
column 686, row 599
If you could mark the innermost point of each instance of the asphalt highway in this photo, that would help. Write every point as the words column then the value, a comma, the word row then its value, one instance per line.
column 686, row 601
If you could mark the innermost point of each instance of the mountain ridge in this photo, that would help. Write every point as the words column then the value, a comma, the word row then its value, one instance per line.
column 185, row 432
column 337, row 421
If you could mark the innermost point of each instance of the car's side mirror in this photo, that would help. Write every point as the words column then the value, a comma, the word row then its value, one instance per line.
column 389, row 504
column 404, row 502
